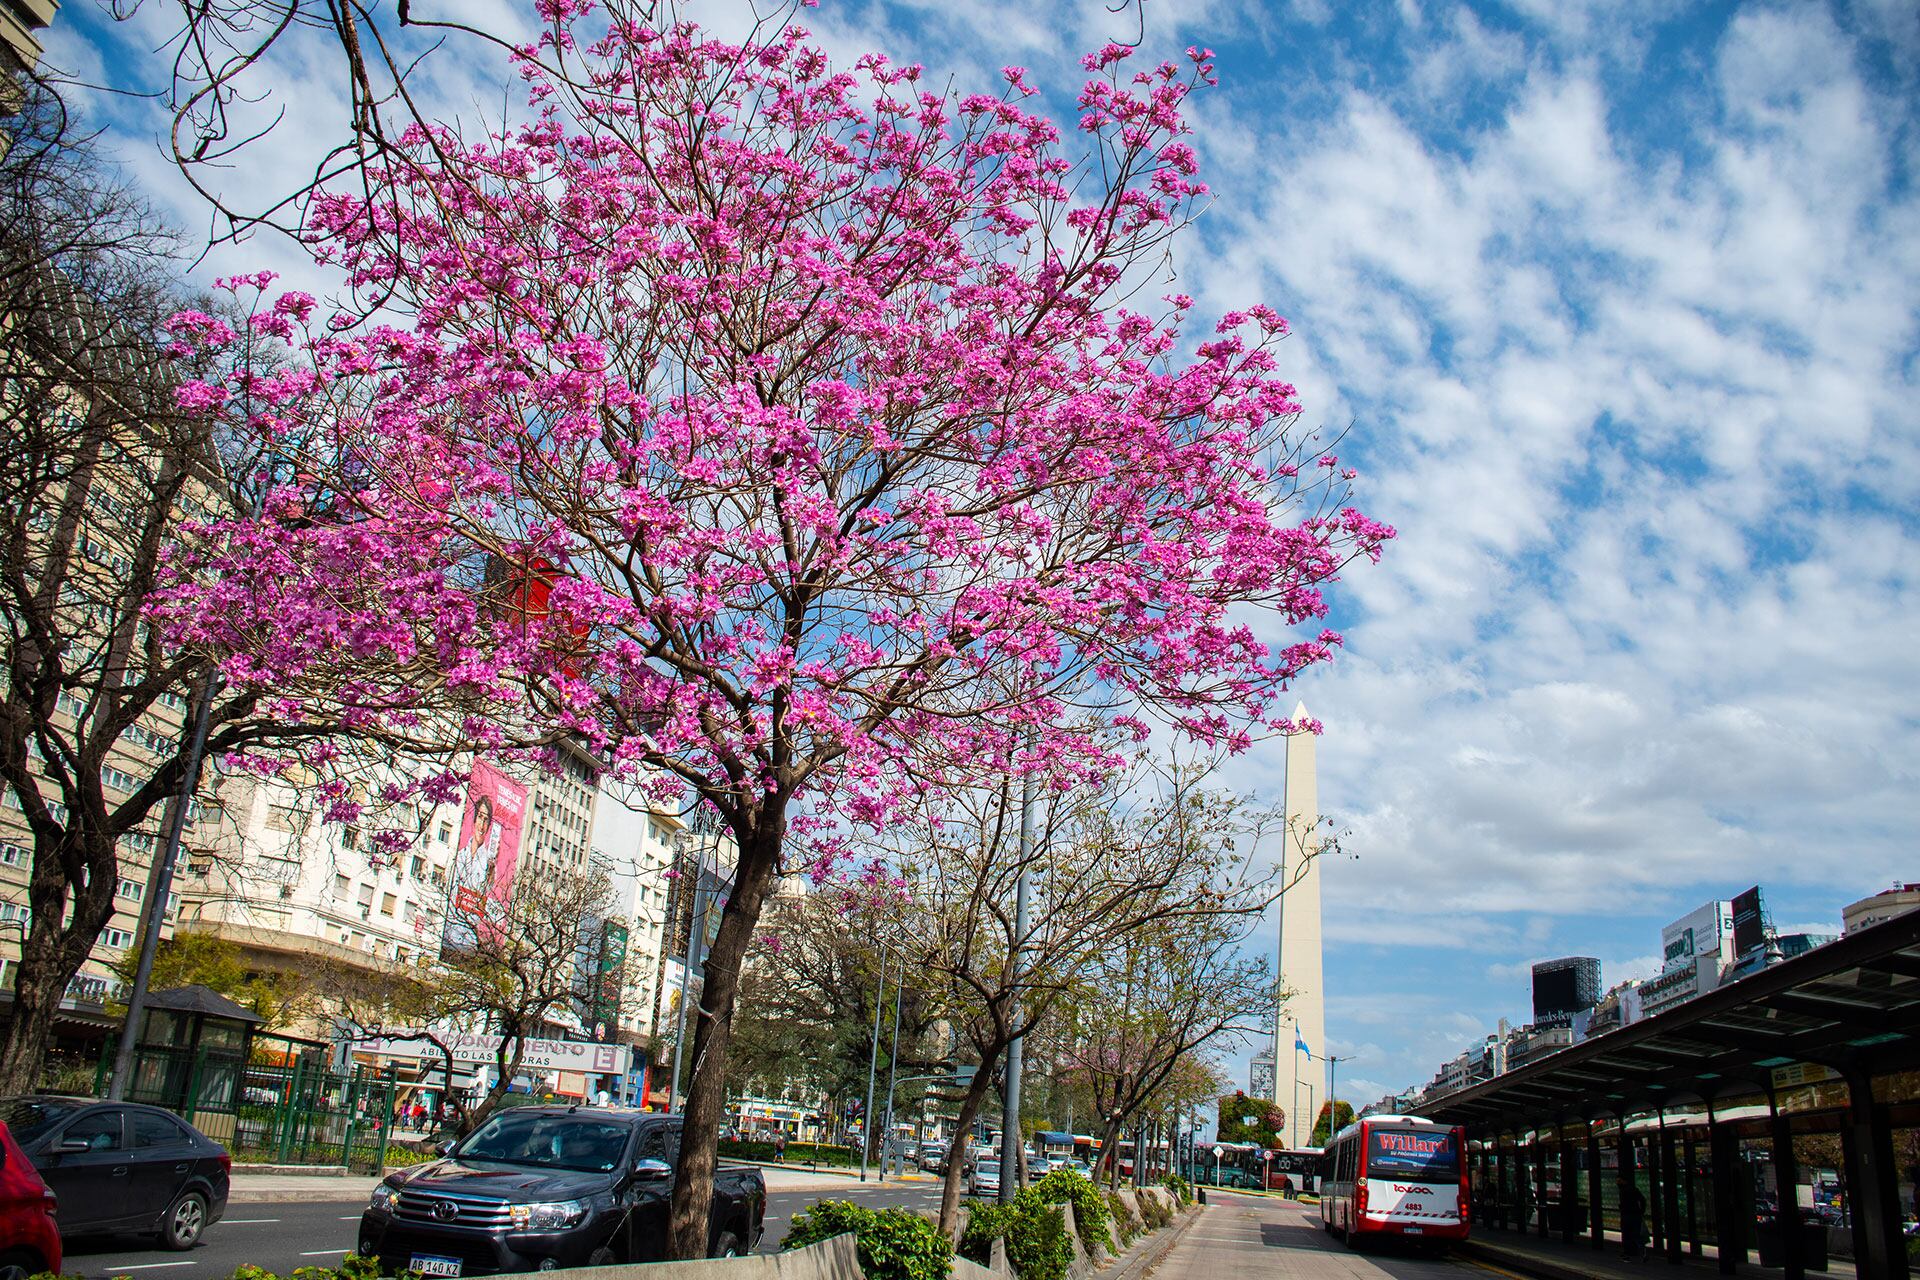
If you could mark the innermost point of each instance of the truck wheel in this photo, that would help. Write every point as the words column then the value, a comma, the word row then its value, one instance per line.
column 602, row 1257
column 727, row 1246
column 20, row 1264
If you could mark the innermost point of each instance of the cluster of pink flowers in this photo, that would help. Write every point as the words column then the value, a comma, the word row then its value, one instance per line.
column 775, row 428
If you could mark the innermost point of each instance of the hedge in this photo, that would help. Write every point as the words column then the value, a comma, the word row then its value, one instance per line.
column 1035, row 1232
column 797, row 1153
column 894, row 1244
column 1090, row 1215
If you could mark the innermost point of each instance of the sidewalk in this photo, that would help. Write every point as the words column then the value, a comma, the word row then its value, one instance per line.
column 1557, row 1260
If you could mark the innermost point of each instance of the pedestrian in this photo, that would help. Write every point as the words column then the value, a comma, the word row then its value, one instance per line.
column 1633, row 1218
column 780, row 1147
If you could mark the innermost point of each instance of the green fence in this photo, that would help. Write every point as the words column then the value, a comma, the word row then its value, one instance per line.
column 294, row 1111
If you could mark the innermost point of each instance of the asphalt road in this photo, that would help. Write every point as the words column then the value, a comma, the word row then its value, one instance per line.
column 281, row 1237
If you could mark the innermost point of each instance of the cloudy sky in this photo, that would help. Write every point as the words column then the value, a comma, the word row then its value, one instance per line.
column 1619, row 302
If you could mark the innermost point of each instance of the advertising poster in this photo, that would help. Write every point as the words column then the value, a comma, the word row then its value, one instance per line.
column 1749, row 925
column 485, row 856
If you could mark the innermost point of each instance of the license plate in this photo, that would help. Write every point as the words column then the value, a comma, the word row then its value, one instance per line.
column 1412, row 1231
column 432, row 1264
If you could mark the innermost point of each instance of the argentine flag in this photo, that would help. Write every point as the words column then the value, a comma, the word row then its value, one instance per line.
column 1299, row 1045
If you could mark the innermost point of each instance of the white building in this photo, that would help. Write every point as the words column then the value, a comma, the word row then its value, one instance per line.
column 1299, row 1072
column 1882, row 906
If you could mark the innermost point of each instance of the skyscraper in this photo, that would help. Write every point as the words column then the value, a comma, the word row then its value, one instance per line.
column 1300, row 1033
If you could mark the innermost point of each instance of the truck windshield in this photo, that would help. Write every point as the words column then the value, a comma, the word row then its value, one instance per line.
column 548, row 1141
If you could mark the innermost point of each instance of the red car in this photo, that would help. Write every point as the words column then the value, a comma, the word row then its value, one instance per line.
column 29, row 1237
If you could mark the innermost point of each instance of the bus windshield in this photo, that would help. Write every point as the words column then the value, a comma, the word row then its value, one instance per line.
column 1418, row 1155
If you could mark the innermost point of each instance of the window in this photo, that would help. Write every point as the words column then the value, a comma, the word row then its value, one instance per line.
column 151, row 1129
column 118, row 779
column 116, row 939
column 419, row 866
column 446, row 833
column 386, row 904
column 279, row 817
column 366, row 895
column 131, row 890
column 100, row 1130
column 13, row 855
column 12, row 911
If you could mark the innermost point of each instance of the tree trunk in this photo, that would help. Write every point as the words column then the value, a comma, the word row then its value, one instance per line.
column 705, row 1103
column 36, row 997
column 50, row 955
column 957, row 1149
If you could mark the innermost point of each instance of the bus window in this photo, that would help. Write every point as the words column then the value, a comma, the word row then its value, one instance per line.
column 1413, row 1155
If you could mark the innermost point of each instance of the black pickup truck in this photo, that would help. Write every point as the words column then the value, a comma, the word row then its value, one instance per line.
column 534, row 1188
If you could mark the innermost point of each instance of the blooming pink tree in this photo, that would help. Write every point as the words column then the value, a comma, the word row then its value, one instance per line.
column 780, row 431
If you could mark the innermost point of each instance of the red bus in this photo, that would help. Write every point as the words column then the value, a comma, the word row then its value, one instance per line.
column 1399, row 1176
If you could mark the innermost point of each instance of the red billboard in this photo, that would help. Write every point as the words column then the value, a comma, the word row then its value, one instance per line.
column 485, row 857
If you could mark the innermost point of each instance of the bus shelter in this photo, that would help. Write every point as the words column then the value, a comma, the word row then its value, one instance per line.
column 1778, row 1115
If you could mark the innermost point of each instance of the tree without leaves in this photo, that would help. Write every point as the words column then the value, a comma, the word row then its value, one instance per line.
column 99, row 472
column 1133, row 853
column 821, row 424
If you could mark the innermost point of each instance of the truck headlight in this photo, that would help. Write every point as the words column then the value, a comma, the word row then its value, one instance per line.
column 386, row 1197
column 547, row 1215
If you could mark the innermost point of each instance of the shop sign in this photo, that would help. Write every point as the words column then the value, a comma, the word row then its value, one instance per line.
column 1800, row 1073
column 537, row 1055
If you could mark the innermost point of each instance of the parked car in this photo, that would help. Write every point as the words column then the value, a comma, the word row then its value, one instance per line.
column 534, row 1188
column 29, row 1231
column 123, row 1167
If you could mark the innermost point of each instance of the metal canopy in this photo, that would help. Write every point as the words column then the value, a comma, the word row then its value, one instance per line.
column 1854, row 1003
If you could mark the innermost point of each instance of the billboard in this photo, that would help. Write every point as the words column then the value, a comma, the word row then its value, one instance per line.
column 485, row 857
column 1698, row 933
column 1749, row 923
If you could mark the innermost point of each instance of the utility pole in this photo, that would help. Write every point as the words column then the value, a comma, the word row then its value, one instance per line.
column 696, row 931
column 873, row 1065
column 893, row 1064
column 160, row 888
column 1010, row 1123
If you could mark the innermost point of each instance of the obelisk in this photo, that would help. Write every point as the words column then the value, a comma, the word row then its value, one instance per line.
column 1298, row 1073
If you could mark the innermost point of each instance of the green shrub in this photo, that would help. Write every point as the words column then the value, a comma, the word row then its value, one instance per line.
column 1127, row 1225
column 1156, row 1213
column 1090, row 1216
column 1181, row 1188
column 1036, row 1234
column 893, row 1243
column 797, row 1153
column 352, row 1267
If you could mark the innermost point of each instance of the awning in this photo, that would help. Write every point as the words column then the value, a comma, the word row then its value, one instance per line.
column 1853, row 1004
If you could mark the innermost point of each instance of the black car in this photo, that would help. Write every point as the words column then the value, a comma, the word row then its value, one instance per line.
column 123, row 1167
column 534, row 1188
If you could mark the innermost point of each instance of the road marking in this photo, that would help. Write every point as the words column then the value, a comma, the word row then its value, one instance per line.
column 152, row 1266
column 1488, row 1266
column 245, row 1222
column 321, row 1253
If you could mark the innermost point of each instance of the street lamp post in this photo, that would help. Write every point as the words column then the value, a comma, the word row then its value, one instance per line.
column 696, row 933
column 873, row 1065
column 1010, row 1137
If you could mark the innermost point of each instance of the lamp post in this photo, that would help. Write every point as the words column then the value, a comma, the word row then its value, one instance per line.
column 696, row 934
column 1010, row 1137
column 873, row 1065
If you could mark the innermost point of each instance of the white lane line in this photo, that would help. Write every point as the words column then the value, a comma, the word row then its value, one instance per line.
column 245, row 1222
column 351, row 1217
column 321, row 1253
column 151, row 1266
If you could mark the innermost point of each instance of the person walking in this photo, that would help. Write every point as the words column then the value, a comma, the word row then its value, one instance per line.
column 780, row 1147
column 1633, row 1218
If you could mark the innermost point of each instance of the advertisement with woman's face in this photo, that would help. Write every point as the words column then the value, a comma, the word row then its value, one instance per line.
column 485, row 857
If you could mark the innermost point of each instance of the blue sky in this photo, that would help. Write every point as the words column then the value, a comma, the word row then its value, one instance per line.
column 1620, row 301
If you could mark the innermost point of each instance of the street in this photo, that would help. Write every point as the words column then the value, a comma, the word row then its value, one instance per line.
column 1243, row 1237
column 283, row 1236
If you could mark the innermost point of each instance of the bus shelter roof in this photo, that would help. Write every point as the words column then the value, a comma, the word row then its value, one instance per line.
column 1851, row 1005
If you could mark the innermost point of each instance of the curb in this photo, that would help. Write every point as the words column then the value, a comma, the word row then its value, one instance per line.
column 1155, row 1253
column 317, row 1195
column 294, row 1170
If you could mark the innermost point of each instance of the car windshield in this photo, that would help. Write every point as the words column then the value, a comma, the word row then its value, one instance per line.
column 549, row 1141
column 31, row 1117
